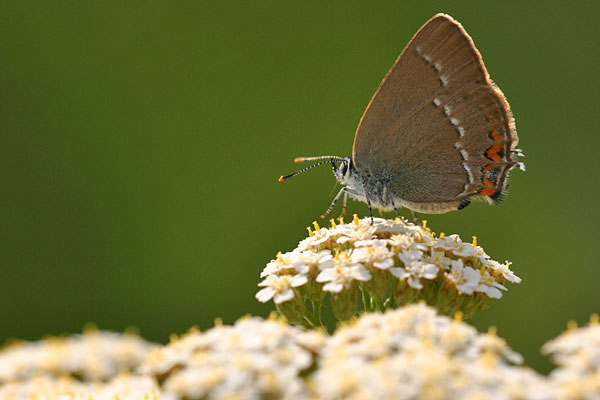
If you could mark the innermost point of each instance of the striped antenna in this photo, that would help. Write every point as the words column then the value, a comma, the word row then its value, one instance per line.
column 301, row 159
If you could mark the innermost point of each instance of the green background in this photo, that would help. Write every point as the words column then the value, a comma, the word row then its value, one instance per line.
column 141, row 143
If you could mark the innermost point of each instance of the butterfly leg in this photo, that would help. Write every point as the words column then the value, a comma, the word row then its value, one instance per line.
column 368, row 203
column 344, row 205
column 396, row 209
column 337, row 196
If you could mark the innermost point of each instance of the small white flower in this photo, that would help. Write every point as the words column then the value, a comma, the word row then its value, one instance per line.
column 406, row 242
column 355, row 236
column 447, row 243
column 504, row 270
column 480, row 254
column 456, row 246
column 316, row 238
column 352, row 232
column 489, row 286
column 464, row 249
column 284, row 263
column 279, row 288
column 465, row 279
column 308, row 260
column 413, row 273
column 438, row 258
column 414, row 268
column 408, row 256
column 341, row 275
column 378, row 256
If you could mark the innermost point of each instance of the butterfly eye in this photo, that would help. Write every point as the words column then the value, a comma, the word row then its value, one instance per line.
column 343, row 167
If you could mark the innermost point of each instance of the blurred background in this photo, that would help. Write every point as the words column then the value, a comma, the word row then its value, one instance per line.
column 141, row 143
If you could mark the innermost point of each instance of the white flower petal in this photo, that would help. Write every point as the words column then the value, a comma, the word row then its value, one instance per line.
column 265, row 294
column 284, row 296
column 333, row 287
column 298, row 280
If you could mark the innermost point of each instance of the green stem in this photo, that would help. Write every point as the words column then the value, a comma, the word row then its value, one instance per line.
column 317, row 305
column 364, row 299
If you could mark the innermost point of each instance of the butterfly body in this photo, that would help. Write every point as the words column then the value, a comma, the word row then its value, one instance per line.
column 377, row 191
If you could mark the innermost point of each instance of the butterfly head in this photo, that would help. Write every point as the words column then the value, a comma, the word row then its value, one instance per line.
column 344, row 171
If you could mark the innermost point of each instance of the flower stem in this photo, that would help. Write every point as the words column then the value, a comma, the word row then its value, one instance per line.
column 317, row 305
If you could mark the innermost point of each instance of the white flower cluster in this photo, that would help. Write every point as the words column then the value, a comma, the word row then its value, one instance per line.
column 577, row 354
column 121, row 387
column 94, row 355
column 408, row 353
column 412, row 353
column 253, row 359
column 397, row 258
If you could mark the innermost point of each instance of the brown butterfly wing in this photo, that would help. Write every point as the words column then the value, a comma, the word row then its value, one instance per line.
column 437, row 128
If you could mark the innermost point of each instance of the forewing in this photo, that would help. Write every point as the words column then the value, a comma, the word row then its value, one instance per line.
column 437, row 128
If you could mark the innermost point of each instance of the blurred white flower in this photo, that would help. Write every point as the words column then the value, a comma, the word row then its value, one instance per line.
column 577, row 354
column 412, row 353
column 122, row 387
column 91, row 356
column 253, row 359
column 408, row 353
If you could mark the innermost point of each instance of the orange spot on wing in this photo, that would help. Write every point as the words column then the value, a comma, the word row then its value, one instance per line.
column 488, row 191
column 495, row 135
column 492, row 152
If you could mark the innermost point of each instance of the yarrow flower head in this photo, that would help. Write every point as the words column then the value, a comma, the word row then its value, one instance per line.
column 94, row 365
column 94, row 355
column 385, row 265
column 577, row 354
column 122, row 387
column 413, row 353
column 253, row 359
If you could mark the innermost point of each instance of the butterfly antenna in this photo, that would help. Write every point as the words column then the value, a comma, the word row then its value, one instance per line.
column 302, row 159
column 327, row 159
